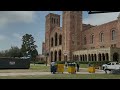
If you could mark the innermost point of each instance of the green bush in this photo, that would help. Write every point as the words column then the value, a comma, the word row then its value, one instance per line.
column 60, row 62
column 39, row 62
column 98, row 63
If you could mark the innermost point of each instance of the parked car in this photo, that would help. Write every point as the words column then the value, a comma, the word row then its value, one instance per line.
column 111, row 66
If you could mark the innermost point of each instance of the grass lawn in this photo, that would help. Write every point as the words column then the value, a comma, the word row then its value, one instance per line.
column 33, row 68
column 65, row 76
column 44, row 68
column 83, row 66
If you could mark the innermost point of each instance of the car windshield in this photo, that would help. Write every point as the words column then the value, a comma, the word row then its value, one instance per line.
column 108, row 64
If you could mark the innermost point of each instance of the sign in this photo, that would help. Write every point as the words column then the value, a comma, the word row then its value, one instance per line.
column 12, row 63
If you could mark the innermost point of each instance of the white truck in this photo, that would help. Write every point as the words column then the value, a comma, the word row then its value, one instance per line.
column 111, row 66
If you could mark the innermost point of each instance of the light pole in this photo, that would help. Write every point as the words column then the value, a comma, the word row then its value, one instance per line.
column 46, row 60
column 47, row 54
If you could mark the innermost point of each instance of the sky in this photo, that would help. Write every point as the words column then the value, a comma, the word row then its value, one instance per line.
column 15, row 24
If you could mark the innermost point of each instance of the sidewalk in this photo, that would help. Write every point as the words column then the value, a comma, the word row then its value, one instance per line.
column 82, row 71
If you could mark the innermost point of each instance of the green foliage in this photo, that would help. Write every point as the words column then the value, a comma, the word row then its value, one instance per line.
column 70, row 61
column 38, row 62
column 60, row 62
column 28, row 46
column 14, row 51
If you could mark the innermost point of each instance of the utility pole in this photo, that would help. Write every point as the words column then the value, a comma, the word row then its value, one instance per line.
column 46, row 60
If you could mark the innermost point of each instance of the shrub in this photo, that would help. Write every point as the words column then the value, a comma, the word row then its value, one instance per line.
column 39, row 62
column 60, row 62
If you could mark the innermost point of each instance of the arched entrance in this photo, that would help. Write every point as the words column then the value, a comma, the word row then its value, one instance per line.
column 55, row 55
column 116, row 57
column 51, row 56
column 59, row 55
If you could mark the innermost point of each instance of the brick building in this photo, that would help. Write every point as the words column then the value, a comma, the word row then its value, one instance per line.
column 80, row 42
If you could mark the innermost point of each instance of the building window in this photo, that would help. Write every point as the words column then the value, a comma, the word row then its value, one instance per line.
column 102, row 46
column 51, row 42
column 101, row 37
column 72, row 42
column 56, row 39
column 52, row 20
column 113, row 34
column 60, row 40
column 113, row 45
column 85, row 41
column 57, row 22
column 92, row 39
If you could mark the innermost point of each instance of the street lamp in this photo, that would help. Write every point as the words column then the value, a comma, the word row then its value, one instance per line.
column 47, row 54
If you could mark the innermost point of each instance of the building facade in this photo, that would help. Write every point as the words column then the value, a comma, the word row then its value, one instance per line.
column 80, row 42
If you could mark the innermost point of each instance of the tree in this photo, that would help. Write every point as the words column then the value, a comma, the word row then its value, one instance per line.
column 14, row 51
column 34, row 53
column 28, row 46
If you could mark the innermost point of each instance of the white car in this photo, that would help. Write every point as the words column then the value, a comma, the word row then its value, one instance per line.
column 111, row 66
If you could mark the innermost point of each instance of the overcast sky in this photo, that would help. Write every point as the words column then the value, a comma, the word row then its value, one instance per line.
column 15, row 24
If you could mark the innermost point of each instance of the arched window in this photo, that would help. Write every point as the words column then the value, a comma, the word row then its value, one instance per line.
column 55, row 55
column 85, row 41
column 52, row 20
column 113, row 34
column 55, row 39
column 51, row 42
column 60, row 40
column 101, row 37
column 57, row 22
column 59, row 55
column 92, row 39
column 51, row 56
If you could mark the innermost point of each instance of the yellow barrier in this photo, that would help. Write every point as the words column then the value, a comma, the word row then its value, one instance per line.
column 71, row 69
column 60, row 68
column 91, row 69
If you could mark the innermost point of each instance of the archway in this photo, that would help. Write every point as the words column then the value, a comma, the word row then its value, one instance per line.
column 99, row 57
column 107, row 56
column 95, row 57
column 89, row 57
column 51, row 42
column 115, row 57
column 92, row 57
column 56, row 39
column 103, row 57
column 55, row 55
column 59, row 55
column 85, row 57
column 80, row 57
column 60, row 40
column 51, row 56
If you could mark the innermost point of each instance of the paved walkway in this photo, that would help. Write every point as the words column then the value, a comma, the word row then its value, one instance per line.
column 82, row 71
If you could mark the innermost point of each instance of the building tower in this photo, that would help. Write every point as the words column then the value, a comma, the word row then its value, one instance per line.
column 52, row 20
column 72, row 27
